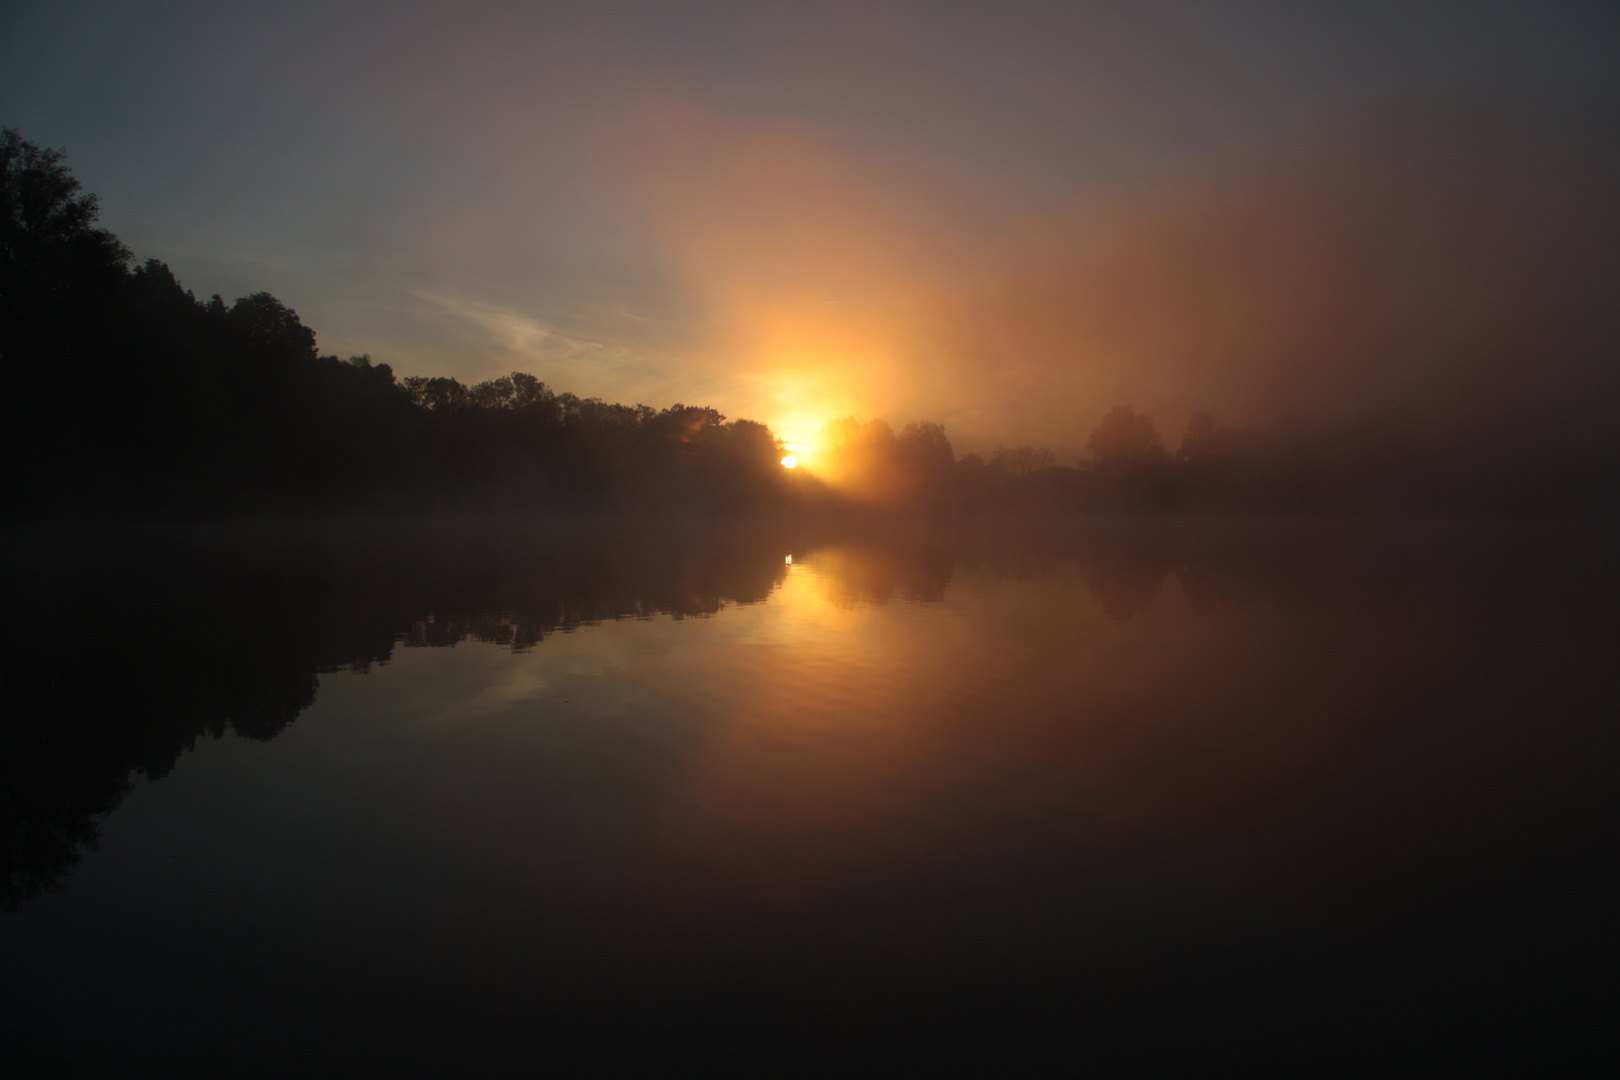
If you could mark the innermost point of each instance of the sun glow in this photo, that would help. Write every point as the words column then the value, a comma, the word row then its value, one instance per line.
column 795, row 453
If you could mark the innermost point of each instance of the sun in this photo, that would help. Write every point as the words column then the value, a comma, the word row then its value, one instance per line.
column 796, row 453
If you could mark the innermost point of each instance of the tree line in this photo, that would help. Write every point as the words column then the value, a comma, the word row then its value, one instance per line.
column 128, row 394
column 1370, row 463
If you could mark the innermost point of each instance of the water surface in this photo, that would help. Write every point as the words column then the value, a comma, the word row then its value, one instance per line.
column 412, row 798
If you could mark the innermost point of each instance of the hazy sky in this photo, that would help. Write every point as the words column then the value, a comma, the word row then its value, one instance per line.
column 1006, row 217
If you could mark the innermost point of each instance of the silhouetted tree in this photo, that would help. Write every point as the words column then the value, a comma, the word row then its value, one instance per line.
column 1021, row 461
column 926, row 463
column 915, row 468
column 1130, row 466
column 1125, row 439
column 129, row 394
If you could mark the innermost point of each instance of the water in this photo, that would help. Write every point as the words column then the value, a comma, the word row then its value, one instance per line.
column 420, row 799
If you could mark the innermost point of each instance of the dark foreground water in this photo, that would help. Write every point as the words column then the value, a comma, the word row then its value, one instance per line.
column 395, row 799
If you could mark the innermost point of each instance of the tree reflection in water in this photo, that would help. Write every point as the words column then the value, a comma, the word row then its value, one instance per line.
column 119, row 655
column 1004, row 777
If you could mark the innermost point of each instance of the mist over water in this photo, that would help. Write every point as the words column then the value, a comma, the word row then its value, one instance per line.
column 448, row 795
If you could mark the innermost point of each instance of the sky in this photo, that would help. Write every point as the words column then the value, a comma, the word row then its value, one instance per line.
column 1003, row 217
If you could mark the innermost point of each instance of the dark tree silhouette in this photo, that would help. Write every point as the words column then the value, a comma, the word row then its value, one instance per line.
column 1125, row 440
column 129, row 395
column 1021, row 461
column 1130, row 466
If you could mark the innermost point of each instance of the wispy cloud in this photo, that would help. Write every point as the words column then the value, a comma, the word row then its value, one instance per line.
column 520, row 336
column 629, row 366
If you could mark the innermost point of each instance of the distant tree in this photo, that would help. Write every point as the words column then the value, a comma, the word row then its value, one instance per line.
column 1130, row 467
column 438, row 394
column 915, row 467
column 494, row 394
column 266, row 325
column 1125, row 438
column 54, row 263
column 925, row 446
column 859, row 458
column 46, row 224
column 1021, row 461
column 1201, row 437
column 528, row 391
column 927, row 463
column 60, row 279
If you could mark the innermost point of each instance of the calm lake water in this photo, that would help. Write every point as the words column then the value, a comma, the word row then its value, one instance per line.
column 405, row 799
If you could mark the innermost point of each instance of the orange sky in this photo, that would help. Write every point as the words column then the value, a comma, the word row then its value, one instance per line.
column 1431, row 264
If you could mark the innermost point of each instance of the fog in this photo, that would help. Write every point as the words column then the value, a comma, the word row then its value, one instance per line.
column 1448, row 264
column 1445, row 263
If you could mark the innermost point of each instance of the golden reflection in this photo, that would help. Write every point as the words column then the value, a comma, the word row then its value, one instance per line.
column 884, row 685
